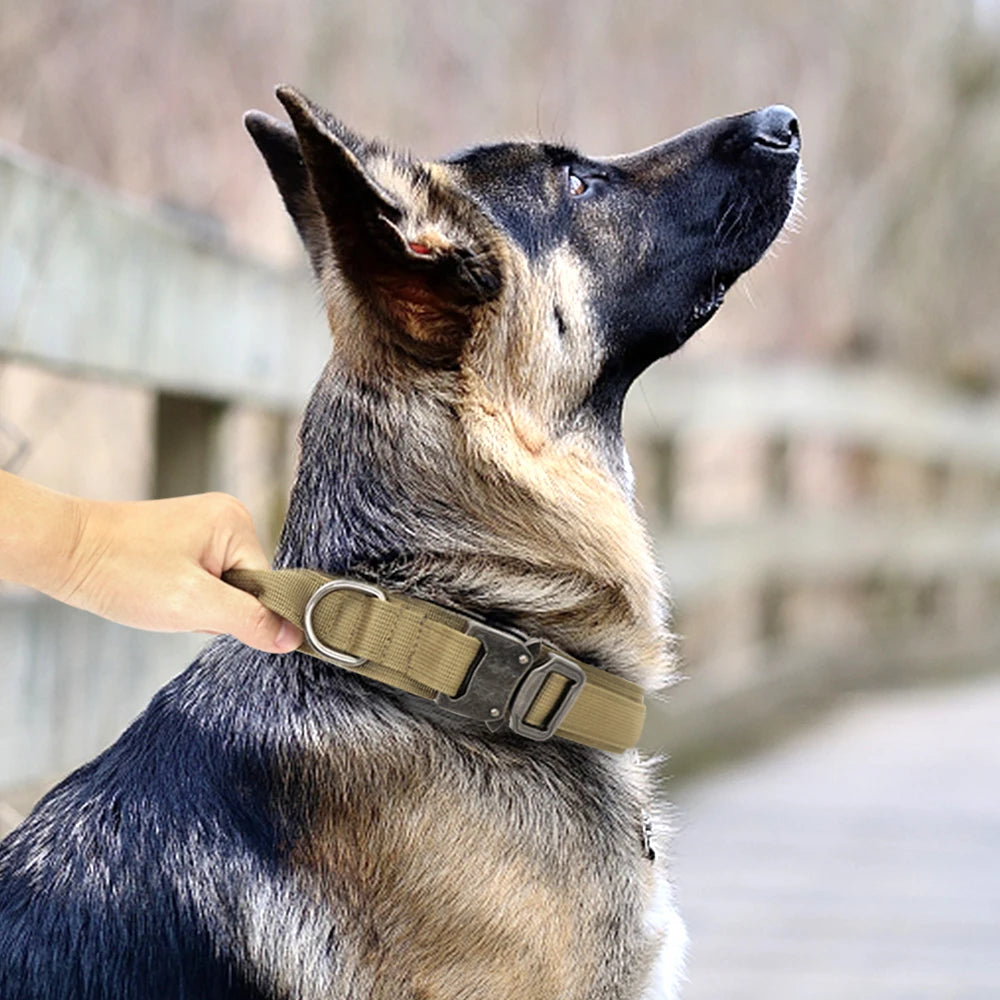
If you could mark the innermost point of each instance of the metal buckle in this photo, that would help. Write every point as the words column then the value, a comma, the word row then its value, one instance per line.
column 344, row 659
column 500, row 687
column 503, row 684
column 532, row 685
column 492, row 679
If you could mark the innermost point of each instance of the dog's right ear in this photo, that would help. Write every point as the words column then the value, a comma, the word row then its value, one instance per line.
column 280, row 148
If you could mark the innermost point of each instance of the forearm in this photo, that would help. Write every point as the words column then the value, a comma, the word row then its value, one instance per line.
column 39, row 531
column 153, row 564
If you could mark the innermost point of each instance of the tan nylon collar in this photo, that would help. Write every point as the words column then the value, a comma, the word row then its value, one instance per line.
column 466, row 667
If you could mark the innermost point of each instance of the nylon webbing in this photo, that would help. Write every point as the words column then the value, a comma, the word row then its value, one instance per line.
column 422, row 648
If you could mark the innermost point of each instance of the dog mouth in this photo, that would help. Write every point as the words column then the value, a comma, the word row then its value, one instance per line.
column 748, row 234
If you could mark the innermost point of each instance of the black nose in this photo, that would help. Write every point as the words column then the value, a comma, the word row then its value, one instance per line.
column 775, row 128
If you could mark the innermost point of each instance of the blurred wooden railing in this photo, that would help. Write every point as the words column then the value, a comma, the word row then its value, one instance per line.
column 93, row 284
column 100, row 290
column 822, row 529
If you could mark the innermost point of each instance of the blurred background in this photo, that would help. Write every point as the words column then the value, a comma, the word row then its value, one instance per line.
column 820, row 467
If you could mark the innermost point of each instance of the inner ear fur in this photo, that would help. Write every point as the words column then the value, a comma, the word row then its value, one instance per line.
column 423, row 280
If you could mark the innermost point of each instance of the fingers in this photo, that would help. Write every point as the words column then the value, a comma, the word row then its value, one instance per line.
column 235, row 533
column 234, row 611
column 237, row 613
column 232, row 544
column 246, row 552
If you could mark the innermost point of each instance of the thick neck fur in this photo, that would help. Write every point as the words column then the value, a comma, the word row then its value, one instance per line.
column 443, row 491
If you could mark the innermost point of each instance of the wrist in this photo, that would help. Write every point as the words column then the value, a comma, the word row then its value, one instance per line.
column 71, row 555
column 41, row 531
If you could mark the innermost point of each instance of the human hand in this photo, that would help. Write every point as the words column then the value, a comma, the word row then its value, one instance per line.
column 156, row 564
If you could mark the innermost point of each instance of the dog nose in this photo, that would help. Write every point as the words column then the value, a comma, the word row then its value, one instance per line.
column 775, row 128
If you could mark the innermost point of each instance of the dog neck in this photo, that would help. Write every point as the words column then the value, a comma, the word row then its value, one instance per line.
column 453, row 498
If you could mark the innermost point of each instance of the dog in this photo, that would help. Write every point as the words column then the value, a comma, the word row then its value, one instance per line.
column 281, row 828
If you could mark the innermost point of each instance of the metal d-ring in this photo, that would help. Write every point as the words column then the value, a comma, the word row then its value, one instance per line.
column 344, row 659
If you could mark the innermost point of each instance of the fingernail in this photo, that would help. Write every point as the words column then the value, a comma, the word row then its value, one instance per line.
column 288, row 637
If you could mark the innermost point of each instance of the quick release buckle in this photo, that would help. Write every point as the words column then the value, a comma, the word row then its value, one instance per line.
column 503, row 683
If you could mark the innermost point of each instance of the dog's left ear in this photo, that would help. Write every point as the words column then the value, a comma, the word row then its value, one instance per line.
column 280, row 149
column 411, row 267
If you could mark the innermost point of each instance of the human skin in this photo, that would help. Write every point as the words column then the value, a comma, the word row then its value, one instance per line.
column 151, row 564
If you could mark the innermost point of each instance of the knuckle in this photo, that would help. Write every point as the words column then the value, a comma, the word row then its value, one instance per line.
column 227, row 508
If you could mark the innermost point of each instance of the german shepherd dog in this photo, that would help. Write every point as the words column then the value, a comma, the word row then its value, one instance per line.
column 273, row 827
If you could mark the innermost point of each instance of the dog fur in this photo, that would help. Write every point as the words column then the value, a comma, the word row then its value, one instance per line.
column 272, row 827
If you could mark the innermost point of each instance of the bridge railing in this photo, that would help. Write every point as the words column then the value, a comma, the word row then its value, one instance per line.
column 822, row 529
column 200, row 356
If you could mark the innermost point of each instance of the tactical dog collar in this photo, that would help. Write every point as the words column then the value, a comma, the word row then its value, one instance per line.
column 490, row 675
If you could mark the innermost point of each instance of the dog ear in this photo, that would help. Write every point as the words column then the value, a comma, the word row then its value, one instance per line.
column 280, row 150
column 425, row 282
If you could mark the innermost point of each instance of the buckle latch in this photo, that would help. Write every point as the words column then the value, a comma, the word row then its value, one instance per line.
column 504, row 682
column 492, row 679
column 530, row 687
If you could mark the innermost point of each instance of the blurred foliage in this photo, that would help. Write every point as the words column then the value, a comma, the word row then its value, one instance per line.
column 899, row 101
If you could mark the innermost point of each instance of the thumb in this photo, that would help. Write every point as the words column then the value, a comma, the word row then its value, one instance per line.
column 243, row 616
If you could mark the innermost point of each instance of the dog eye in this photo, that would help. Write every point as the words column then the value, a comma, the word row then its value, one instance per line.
column 576, row 186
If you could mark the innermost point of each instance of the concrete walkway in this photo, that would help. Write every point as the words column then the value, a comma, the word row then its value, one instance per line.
column 861, row 860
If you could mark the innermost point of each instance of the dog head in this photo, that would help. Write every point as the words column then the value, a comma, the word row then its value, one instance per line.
column 548, row 277
column 489, row 312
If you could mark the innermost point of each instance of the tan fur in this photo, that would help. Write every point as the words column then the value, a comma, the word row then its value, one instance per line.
column 557, row 482
column 446, row 899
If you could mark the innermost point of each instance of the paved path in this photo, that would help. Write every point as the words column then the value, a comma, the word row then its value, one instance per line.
column 860, row 861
